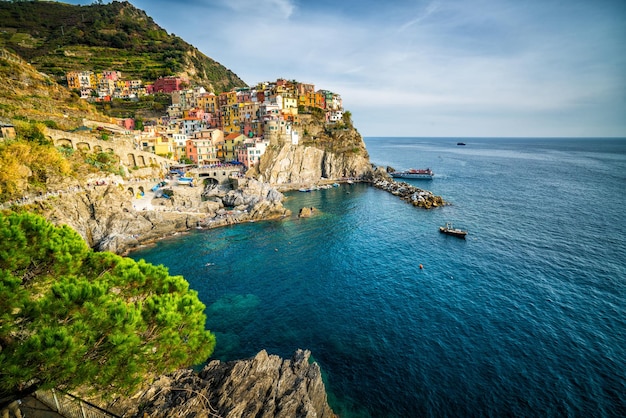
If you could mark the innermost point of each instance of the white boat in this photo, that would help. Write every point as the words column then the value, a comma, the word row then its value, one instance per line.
column 413, row 173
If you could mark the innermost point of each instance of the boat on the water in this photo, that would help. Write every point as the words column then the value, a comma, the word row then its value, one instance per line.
column 460, row 143
column 450, row 230
column 414, row 173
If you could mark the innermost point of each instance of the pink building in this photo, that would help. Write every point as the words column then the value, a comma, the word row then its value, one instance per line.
column 168, row 84
column 127, row 123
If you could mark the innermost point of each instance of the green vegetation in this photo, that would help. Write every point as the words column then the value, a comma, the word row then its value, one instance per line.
column 107, row 162
column 147, row 106
column 27, row 163
column 30, row 163
column 58, row 37
column 70, row 316
column 30, row 95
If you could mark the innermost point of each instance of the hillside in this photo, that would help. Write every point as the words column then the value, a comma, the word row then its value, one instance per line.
column 57, row 37
column 27, row 94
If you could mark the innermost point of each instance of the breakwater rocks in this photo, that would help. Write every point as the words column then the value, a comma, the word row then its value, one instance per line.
column 262, row 386
column 407, row 192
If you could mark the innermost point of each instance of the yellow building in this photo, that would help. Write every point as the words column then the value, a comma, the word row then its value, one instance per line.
column 208, row 102
column 81, row 79
column 311, row 99
column 164, row 146
column 231, row 144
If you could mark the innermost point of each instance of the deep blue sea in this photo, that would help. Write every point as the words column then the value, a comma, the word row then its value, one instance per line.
column 524, row 318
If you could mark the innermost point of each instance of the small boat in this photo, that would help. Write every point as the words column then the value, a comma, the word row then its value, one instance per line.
column 460, row 143
column 450, row 230
column 421, row 173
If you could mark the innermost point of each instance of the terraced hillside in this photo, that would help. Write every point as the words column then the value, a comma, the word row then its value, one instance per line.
column 57, row 37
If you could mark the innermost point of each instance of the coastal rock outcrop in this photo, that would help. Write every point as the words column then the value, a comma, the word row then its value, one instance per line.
column 306, row 212
column 262, row 386
column 252, row 200
column 110, row 218
column 324, row 151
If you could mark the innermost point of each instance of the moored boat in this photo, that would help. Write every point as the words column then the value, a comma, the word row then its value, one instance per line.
column 413, row 173
column 450, row 230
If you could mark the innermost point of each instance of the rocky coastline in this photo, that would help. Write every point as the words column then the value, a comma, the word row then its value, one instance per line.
column 113, row 216
column 262, row 386
column 110, row 215
column 119, row 216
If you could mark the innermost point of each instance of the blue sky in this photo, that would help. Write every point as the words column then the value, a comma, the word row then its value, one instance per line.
column 445, row 68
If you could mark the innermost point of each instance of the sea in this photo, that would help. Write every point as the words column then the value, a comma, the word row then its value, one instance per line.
column 526, row 317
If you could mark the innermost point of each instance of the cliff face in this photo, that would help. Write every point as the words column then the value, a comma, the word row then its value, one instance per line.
column 297, row 164
column 110, row 218
column 263, row 386
column 324, row 152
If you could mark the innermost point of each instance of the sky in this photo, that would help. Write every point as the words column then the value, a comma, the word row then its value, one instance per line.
column 428, row 68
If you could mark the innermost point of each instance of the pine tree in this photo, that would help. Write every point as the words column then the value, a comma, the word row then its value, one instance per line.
column 70, row 316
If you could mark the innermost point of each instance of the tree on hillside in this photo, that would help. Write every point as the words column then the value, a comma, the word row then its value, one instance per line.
column 70, row 316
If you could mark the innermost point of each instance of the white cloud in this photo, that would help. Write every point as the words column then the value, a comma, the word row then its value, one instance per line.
column 279, row 9
column 473, row 65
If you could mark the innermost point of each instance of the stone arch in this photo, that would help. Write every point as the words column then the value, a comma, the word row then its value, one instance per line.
column 131, row 160
column 110, row 150
column 141, row 189
column 131, row 191
column 97, row 148
column 209, row 180
column 83, row 146
column 64, row 142
column 141, row 161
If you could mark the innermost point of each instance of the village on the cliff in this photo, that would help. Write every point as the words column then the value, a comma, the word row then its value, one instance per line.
column 205, row 129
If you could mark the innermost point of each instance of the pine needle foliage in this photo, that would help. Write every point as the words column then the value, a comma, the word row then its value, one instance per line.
column 73, row 317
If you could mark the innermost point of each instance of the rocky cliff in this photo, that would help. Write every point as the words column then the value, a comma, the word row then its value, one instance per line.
column 324, row 152
column 110, row 217
column 262, row 386
column 295, row 165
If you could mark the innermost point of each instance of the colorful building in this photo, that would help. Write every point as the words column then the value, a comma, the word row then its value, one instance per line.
column 231, row 143
column 250, row 151
column 168, row 84
column 201, row 151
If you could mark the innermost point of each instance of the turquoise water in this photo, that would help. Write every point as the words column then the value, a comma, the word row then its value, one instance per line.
column 526, row 317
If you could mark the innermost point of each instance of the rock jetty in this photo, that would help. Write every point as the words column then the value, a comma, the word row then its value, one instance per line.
column 407, row 192
column 262, row 386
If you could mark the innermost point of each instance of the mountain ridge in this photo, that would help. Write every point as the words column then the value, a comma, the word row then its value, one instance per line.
column 58, row 37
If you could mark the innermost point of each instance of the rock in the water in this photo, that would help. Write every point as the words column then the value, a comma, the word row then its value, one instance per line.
column 306, row 212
